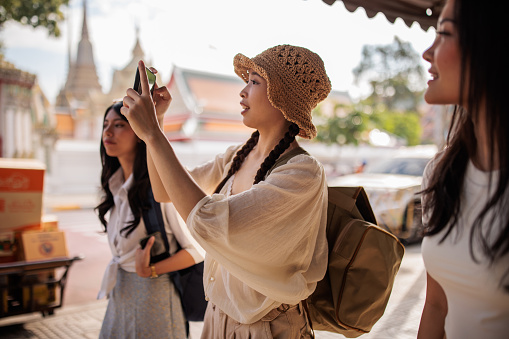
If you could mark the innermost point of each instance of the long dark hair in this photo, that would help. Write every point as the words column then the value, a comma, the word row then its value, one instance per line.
column 137, row 194
column 269, row 161
column 482, row 29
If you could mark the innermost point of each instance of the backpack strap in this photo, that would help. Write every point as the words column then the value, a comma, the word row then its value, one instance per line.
column 353, row 200
column 308, row 317
column 285, row 158
column 338, row 198
column 153, row 220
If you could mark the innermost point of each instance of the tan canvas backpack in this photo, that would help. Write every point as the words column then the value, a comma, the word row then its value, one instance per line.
column 363, row 262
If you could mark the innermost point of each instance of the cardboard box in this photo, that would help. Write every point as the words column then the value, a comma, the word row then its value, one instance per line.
column 49, row 223
column 43, row 245
column 21, row 190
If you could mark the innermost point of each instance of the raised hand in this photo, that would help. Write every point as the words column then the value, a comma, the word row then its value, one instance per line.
column 161, row 98
column 140, row 110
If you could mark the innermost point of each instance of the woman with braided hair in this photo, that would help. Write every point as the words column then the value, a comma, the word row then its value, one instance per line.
column 259, row 210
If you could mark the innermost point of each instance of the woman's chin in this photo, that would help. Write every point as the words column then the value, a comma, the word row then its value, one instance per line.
column 247, row 124
column 431, row 98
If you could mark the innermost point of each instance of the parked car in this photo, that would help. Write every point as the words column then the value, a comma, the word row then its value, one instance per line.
column 392, row 186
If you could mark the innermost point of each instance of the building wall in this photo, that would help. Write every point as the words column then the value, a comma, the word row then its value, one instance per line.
column 15, row 113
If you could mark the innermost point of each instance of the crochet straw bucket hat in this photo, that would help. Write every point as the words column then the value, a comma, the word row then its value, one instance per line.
column 296, row 81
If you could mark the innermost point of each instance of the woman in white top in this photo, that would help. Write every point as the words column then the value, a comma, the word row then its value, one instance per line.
column 465, row 188
column 138, row 307
column 264, row 235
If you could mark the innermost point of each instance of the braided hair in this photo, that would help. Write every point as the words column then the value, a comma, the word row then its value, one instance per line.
column 269, row 161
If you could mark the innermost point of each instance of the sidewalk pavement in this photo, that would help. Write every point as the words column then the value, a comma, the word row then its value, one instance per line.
column 79, row 321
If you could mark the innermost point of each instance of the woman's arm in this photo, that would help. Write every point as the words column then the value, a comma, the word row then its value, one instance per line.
column 160, row 194
column 434, row 312
column 162, row 100
column 180, row 187
column 178, row 184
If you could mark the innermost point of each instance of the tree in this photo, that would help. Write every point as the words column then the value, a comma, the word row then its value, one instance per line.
column 396, row 77
column 394, row 73
column 45, row 13
column 403, row 124
column 350, row 124
column 345, row 126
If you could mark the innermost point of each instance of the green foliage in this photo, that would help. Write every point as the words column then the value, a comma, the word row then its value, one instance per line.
column 45, row 13
column 345, row 126
column 351, row 124
column 394, row 73
column 397, row 79
column 403, row 124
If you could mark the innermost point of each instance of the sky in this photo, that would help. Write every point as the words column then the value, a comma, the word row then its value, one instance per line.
column 204, row 35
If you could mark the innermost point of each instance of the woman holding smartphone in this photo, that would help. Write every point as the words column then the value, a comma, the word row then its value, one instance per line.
column 263, row 230
column 138, row 307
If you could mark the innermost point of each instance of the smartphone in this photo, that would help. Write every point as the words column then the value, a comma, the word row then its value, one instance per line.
column 158, row 251
column 158, row 240
column 151, row 80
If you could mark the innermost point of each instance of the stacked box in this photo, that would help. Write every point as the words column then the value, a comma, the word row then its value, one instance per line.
column 36, row 245
column 21, row 190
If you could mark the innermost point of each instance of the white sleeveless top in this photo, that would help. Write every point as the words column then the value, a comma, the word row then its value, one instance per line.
column 478, row 307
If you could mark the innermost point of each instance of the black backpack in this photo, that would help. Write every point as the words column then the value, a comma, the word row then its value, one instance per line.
column 188, row 281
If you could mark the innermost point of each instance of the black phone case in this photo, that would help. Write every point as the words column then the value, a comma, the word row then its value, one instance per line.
column 158, row 251
column 137, row 83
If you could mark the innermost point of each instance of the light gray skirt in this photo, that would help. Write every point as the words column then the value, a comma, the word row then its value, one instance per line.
column 143, row 308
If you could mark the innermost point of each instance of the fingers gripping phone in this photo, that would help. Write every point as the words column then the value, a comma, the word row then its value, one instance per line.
column 151, row 81
column 158, row 251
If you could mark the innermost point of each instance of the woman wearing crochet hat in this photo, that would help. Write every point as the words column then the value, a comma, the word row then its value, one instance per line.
column 259, row 210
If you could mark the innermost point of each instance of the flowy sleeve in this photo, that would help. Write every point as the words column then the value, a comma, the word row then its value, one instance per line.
column 271, row 236
column 176, row 227
column 210, row 174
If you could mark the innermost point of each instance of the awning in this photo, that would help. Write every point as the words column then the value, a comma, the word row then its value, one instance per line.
column 424, row 12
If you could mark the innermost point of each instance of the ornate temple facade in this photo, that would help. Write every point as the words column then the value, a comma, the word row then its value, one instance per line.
column 79, row 105
column 124, row 78
column 27, row 127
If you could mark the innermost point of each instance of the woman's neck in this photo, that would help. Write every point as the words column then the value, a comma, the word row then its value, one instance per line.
column 127, row 167
column 267, row 142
